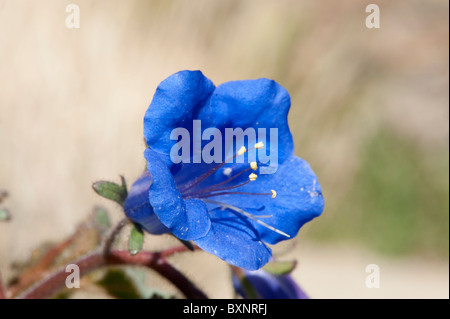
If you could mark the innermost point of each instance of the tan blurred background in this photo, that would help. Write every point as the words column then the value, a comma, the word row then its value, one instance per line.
column 369, row 112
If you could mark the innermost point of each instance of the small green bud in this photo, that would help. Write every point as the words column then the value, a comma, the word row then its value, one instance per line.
column 136, row 240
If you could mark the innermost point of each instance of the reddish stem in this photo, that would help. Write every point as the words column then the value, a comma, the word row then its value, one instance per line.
column 40, row 268
column 174, row 250
column 156, row 261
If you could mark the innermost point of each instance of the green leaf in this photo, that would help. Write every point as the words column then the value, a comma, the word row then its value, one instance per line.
column 119, row 285
column 129, row 283
column 136, row 240
column 138, row 277
column 112, row 191
column 4, row 215
column 280, row 267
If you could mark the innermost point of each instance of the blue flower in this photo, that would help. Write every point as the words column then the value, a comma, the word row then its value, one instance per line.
column 260, row 284
column 229, row 208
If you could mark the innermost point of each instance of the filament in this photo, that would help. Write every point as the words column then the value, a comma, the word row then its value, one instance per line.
column 252, row 217
column 205, row 175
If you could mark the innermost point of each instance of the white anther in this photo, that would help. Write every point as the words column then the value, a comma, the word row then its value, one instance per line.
column 242, row 150
column 259, row 145
column 227, row 171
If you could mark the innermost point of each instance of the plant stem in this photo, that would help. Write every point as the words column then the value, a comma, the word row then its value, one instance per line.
column 174, row 250
column 52, row 283
column 31, row 275
column 109, row 241
column 37, row 271
column 156, row 261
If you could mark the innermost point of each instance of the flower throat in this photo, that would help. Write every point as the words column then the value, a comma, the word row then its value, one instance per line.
column 221, row 189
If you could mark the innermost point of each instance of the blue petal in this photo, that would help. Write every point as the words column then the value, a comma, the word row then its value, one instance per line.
column 258, row 104
column 234, row 240
column 269, row 286
column 299, row 199
column 175, row 104
column 137, row 206
column 261, row 105
column 187, row 219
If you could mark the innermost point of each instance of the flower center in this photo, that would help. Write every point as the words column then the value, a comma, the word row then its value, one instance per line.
column 222, row 189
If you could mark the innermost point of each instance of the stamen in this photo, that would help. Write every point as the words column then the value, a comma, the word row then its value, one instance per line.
column 227, row 171
column 253, row 166
column 214, row 188
column 252, row 217
column 241, row 151
column 204, row 176
column 259, row 145
column 225, row 188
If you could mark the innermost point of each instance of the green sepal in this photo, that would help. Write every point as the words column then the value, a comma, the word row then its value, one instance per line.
column 136, row 240
column 112, row 191
column 280, row 267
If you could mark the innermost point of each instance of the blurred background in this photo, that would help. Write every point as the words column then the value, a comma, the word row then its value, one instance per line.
column 370, row 113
